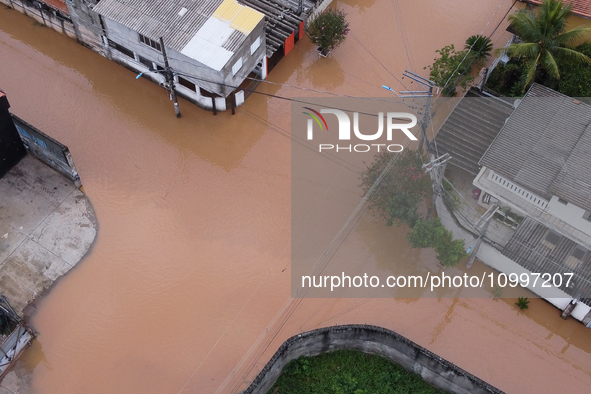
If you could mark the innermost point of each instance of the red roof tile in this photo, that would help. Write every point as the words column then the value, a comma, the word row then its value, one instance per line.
column 58, row 5
column 580, row 7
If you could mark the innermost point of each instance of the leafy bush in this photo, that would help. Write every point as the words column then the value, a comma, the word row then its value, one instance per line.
column 426, row 234
column 453, row 68
column 402, row 189
column 522, row 303
column 432, row 234
column 575, row 80
column 507, row 79
column 329, row 29
column 451, row 198
column 350, row 372
column 450, row 70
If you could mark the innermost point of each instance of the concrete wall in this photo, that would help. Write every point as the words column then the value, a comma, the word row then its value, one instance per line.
column 317, row 10
column 47, row 17
column 87, row 23
column 373, row 340
column 569, row 213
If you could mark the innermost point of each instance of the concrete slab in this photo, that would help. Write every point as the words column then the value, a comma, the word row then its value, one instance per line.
column 10, row 239
column 60, row 231
column 47, row 225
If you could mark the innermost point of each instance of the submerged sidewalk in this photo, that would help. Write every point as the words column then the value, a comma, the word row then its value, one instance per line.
column 47, row 225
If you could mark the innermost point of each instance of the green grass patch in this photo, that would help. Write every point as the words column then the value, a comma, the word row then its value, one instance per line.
column 348, row 372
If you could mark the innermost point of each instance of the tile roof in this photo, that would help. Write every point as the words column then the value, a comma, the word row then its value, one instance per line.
column 205, row 30
column 580, row 7
column 545, row 146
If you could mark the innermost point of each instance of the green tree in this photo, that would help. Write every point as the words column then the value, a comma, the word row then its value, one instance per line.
column 577, row 82
column 545, row 39
column 426, row 234
column 402, row 189
column 480, row 45
column 329, row 29
column 432, row 234
column 450, row 251
column 451, row 70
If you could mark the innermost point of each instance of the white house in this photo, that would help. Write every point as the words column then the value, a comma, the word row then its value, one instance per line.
column 540, row 166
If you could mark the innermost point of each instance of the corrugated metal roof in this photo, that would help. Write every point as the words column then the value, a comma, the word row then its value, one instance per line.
column 227, row 10
column 545, row 146
column 205, row 52
column 246, row 20
column 196, row 31
column 234, row 41
column 469, row 130
column 281, row 19
column 215, row 31
column 528, row 249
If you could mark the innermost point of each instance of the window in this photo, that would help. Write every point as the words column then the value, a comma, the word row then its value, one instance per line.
column 121, row 49
column 560, row 200
column 150, row 42
column 145, row 62
column 576, row 257
column 551, row 240
column 188, row 84
column 255, row 45
column 237, row 66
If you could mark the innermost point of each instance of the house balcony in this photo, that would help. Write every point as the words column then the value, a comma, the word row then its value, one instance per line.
column 525, row 202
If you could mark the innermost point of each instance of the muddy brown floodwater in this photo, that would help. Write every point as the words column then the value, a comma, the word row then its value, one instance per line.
column 184, row 288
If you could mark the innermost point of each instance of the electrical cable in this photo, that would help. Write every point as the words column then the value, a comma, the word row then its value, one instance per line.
column 471, row 46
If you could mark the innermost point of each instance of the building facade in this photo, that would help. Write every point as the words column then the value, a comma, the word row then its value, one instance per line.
column 212, row 46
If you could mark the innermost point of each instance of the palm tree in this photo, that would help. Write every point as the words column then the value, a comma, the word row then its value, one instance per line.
column 481, row 46
column 544, row 39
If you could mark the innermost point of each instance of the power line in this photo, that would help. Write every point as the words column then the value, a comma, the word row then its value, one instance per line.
column 474, row 43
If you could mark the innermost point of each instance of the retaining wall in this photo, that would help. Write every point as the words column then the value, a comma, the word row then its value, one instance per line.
column 373, row 340
column 44, row 15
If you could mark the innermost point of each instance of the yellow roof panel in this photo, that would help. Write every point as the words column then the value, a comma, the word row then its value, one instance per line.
column 246, row 20
column 227, row 10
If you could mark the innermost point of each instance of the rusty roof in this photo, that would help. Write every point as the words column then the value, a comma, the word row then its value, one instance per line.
column 580, row 7
column 59, row 5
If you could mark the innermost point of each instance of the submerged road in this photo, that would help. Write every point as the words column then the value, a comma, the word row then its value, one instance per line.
column 186, row 287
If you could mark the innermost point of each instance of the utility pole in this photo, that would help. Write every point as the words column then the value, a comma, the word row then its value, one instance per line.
column 428, row 93
column 436, row 168
column 170, row 80
column 487, row 218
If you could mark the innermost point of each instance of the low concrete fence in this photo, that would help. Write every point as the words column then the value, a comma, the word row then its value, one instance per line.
column 44, row 14
column 373, row 340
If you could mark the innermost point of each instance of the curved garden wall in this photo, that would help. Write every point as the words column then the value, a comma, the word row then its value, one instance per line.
column 374, row 340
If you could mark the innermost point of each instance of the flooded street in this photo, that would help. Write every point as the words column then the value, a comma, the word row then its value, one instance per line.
column 185, row 289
